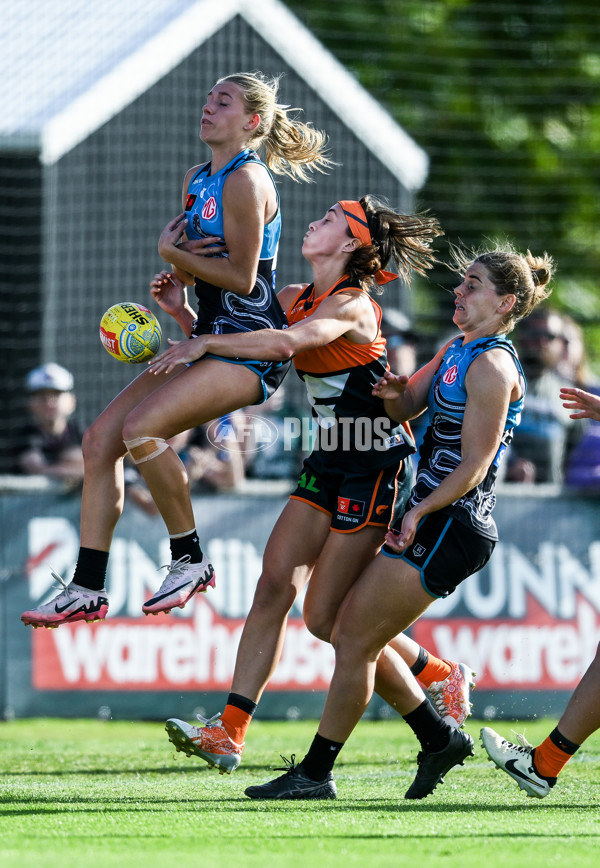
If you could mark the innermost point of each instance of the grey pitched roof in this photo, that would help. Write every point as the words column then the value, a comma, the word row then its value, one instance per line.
column 52, row 53
column 71, row 65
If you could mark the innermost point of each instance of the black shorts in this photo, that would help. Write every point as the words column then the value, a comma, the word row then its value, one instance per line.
column 445, row 552
column 354, row 499
column 270, row 373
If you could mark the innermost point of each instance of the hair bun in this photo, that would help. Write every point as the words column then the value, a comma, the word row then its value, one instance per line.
column 542, row 268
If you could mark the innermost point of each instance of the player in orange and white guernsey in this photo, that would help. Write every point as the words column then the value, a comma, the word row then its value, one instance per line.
column 339, row 378
column 225, row 244
column 355, row 479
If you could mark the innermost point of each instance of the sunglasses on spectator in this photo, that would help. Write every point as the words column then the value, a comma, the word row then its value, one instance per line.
column 543, row 336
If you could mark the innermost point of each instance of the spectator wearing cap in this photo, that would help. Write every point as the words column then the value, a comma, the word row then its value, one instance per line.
column 50, row 443
column 401, row 342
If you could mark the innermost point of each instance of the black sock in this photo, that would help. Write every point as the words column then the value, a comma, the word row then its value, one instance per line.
column 242, row 702
column 321, row 757
column 90, row 571
column 563, row 743
column 420, row 663
column 428, row 726
column 186, row 545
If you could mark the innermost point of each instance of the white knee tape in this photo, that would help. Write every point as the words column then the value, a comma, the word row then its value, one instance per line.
column 144, row 448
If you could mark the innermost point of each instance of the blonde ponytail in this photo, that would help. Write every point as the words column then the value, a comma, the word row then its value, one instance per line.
column 290, row 147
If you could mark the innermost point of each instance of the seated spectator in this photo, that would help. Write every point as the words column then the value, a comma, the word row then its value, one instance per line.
column 402, row 344
column 213, row 454
column 50, row 444
column 546, row 434
column 574, row 365
column 273, row 449
column 583, row 464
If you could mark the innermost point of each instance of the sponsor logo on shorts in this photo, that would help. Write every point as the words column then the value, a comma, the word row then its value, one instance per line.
column 309, row 483
column 419, row 550
column 351, row 507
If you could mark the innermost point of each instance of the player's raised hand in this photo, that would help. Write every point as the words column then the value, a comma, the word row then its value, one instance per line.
column 586, row 405
column 390, row 386
column 168, row 291
column 171, row 235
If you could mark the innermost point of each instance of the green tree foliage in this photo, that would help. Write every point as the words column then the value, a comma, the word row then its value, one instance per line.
column 504, row 96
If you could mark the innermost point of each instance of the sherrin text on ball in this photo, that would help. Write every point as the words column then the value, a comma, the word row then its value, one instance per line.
column 130, row 332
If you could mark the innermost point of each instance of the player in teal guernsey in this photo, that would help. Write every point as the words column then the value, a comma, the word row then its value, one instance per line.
column 233, row 274
column 219, row 310
column 474, row 388
column 441, row 448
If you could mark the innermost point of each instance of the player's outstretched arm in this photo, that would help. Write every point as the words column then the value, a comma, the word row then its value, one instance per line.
column 586, row 405
column 335, row 317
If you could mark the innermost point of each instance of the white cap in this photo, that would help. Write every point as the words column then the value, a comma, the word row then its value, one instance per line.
column 50, row 376
column 395, row 320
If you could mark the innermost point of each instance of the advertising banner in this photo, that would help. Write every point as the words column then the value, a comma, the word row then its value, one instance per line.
column 528, row 624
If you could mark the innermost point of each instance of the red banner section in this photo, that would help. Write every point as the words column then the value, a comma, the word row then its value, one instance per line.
column 538, row 652
column 168, row 653
column 528, row 623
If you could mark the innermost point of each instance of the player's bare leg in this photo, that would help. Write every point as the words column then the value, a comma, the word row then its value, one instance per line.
column 291, row 552
column 102, row 505
column 103, row 452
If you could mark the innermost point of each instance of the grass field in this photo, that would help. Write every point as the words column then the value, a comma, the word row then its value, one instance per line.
column 88, row 793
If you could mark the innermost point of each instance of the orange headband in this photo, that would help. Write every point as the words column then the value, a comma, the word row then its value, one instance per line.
column 357, row 221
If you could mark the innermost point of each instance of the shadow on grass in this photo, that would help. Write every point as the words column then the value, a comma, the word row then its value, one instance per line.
column 191, row 767
column 47, row 805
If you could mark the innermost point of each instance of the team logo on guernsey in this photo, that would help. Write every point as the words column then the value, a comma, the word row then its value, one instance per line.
column 351, row 507
column 394, row 440
column 189, row 202
column 450, row 376
column 209, row 209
